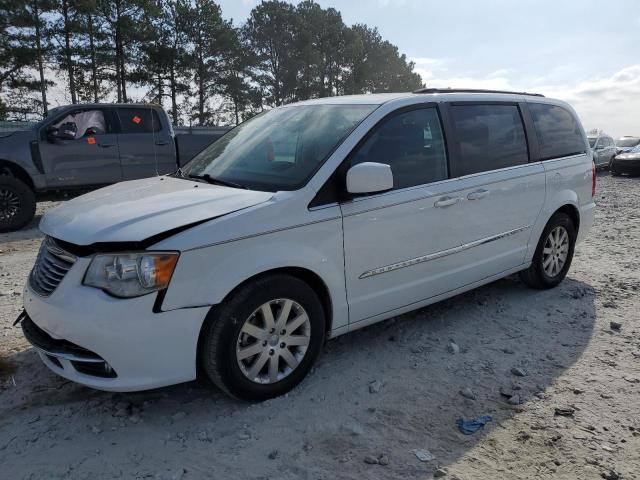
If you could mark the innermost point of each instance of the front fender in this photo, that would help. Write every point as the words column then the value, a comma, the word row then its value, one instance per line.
column 206, row 275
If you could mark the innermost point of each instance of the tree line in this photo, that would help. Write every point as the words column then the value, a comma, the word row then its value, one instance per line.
column 184, row 55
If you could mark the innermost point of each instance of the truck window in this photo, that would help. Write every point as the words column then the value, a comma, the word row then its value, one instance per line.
column 490, row 137
column 558, row 132
column 83, row 123
column 138, row 120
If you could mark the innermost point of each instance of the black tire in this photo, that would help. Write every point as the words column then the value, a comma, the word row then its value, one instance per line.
column 535, row 276
column 223, row 328
column 17, row 204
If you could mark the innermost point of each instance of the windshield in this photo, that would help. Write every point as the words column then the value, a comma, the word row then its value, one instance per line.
column 279, row 149
column 628, row 142
column 592, row 141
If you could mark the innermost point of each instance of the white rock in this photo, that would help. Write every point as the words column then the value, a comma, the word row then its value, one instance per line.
column 423, row 455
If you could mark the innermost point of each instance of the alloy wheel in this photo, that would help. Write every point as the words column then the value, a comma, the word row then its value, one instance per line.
column 273, row 341
column 555, row 251
column 9, row 204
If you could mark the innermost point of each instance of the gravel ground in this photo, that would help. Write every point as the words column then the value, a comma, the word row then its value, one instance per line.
column 376, row 396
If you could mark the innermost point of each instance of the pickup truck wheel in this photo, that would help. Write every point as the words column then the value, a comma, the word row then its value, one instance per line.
column 553, row 255
column 17, row 204
column 263, row 340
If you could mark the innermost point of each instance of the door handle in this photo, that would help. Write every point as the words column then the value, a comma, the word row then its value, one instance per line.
column 446, row 201
column 478, row 194
column 162, row 142
column 106, row 145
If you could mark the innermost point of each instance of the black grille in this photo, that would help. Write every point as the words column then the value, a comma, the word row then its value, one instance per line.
column 51, row 266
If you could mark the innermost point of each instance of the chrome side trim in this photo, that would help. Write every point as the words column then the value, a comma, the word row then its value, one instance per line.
column 440, row 254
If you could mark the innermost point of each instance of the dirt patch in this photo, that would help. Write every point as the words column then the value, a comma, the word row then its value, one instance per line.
column 558, row 371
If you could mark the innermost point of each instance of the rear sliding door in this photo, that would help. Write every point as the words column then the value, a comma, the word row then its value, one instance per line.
column 501, row 192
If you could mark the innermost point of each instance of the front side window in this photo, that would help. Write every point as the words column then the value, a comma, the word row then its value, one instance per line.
column 490, row 137
column 81, row 123
column 138, row 120
column 592, row 141
column 559, row 133
column 412, row 144
column 279, row 149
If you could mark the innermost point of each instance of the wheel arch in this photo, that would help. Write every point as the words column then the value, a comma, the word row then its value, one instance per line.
column 573, row 213
column 7, row 167
column 310, row 277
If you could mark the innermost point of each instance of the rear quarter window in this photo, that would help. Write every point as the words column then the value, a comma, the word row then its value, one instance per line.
column 138, row 120
column 559, row 133
column 490, row 137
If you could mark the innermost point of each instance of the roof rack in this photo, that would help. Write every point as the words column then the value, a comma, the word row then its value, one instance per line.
column 472, row 90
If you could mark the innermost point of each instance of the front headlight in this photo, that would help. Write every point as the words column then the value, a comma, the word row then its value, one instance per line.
column 131, row 274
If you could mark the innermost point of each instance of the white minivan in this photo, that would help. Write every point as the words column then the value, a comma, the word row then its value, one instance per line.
column 306, row 222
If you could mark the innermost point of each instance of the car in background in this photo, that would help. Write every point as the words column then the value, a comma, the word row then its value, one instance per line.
column 604, row 149
column 627, row 162
column 83, row 147
column 626, row 143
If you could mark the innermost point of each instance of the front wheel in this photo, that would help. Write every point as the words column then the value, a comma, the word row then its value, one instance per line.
column 17, row 204
column 263, row 340
column 553, row 255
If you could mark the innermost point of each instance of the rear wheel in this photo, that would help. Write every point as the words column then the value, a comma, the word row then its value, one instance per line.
column 553, row 255
column 263, row 340
column 17, row 204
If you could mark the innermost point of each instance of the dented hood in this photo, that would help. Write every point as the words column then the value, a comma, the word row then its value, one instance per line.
column 134, row 211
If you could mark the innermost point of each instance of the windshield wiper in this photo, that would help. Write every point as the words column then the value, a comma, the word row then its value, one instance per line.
column 216, row 181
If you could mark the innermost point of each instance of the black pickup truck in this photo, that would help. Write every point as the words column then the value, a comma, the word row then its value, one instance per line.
column 81, row 147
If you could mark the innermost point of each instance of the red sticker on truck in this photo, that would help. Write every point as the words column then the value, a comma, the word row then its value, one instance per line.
column 136, row 119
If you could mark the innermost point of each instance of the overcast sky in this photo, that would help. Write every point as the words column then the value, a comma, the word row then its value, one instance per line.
column 586, row 52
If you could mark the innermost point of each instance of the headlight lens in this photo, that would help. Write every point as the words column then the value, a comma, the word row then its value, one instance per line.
column 131, row 274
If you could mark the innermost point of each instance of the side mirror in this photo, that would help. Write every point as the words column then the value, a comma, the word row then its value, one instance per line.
column 369, row 177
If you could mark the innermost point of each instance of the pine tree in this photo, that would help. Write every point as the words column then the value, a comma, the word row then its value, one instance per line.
column 126, row 23
column 244, row 96
column 270, row 34
column 28, row 43
column 210, row 37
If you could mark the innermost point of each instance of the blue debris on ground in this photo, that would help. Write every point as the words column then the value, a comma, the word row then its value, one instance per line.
column 469, row 427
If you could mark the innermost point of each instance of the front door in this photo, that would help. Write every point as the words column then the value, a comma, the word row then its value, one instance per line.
column 80, row 148
column 399, row 245
column 146, row 146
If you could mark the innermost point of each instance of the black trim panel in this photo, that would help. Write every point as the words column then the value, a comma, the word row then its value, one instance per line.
column 34, row 147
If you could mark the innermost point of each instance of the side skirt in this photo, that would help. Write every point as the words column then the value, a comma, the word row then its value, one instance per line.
column 423, row 303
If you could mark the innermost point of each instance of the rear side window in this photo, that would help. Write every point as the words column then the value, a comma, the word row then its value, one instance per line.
column 490, row 137
column 558, row 132
column 138, row 120
column 412, row 144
